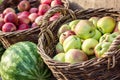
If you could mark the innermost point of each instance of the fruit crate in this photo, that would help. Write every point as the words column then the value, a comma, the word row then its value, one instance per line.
column 31, row 34
column 105, row 68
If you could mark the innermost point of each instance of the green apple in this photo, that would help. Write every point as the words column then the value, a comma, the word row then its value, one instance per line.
column 62, row 29
column 85, row 29
column 106, row 24
column 101, row 48
column 59, row 48
column 64, row 35
column 113, row 36
column 60, row 57
column 104, row 38
column 75, row 56
column 73, row 23
column 97, row 35
column 94, row 20
column 89, row 45
column 72, row 42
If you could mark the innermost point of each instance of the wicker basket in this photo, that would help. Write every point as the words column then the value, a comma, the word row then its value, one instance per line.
column 107, row 68
column 8, row 38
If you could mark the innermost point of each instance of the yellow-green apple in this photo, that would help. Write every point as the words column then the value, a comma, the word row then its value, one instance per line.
column 54, row 17
column 43, row 8
column 75, row 56
column 94, row 20
column 38, row 20
column 73, row 23
column 65, row 35
column 33, row 16
column 101, row 48
column 23, row 26
column 46, row 2
column 89, row 45
column 24, row 5
column 113, row 36
column 106, row 24
column 1, row 22
column 56, row 3
column 72, row 42
column 63, row 28
column 97, row 35
column 59, row 48
column 23, row 19
column 8, row 27
column 34, row 25
column 11, row 17
column 104, row 38
column 7, row 10
column 59, row 57
column 33, row 10
column 85, row 29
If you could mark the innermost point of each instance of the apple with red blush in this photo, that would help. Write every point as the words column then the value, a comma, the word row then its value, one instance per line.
column 56, row 3
column 24, row 5
column 8, row 27
column 23, row 26
column 43, row 8
column 33, row 10
column 33, row 16
column 11, row 17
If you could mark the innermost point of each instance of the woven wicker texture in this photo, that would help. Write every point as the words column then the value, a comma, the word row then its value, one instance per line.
column 9, row 38
column 107, row 68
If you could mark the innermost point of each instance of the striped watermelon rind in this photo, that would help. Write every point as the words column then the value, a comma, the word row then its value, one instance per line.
column 22, row 62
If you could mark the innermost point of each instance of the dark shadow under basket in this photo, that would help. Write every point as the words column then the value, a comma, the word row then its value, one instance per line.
column 107, row 68
column 8, row 38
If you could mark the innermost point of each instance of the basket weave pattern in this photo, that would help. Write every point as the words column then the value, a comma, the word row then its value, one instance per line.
column 107, row 68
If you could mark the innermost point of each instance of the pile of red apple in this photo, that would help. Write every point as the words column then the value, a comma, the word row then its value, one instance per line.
column 27, row 16
column 81, row 40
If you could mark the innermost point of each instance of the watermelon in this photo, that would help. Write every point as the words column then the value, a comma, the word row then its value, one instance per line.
column 22, row 62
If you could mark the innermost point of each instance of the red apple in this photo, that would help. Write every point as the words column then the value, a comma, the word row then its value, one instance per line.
column 33, row 10
column 23, row 27
column 33, row 16
column 34, row 25
column 38, row 20
column 25, row 13
column 23, row 19
column 11, row 17
column 56, row 3
column 43, row 8
column 65, row 35
column 24, row 5
column 1, row 23
column 8, row 27
column 7, row 10
column 46, row 2
column 75, row 56
column 54, row 17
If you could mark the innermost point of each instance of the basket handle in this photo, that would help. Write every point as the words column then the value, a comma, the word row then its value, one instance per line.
column 113, row 53
column 58, row 9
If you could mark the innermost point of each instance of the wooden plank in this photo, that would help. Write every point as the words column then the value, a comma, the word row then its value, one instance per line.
column 85, row 4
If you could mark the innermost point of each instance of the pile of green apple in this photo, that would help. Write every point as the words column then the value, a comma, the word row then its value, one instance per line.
column 81, row 40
